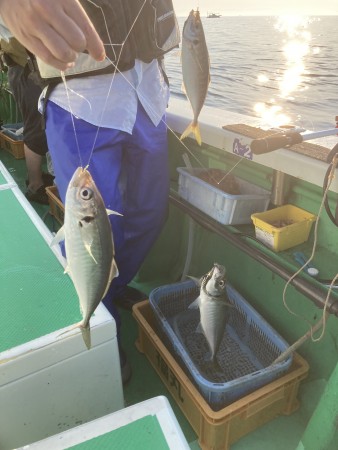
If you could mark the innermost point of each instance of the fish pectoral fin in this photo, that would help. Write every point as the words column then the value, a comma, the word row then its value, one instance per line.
column 195, row 304
column 226, row 302
column 195, row 279
column 111, row 212
column 87, row 238
column 183, row 89
column 60, row 236
column 199, row 329
column 194, row 129
column 89, row 250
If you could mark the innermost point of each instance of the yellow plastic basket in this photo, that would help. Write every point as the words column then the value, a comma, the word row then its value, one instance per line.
column 283, row 227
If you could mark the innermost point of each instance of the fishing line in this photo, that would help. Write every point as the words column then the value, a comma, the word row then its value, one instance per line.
column 111, row 83
column 324, row 314
column 149, row 105
column 71, row 115
column 144, row 100
column 114, row 65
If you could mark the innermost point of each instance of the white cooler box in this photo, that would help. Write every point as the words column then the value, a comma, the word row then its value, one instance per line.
column 149, row 425
column 49, row 381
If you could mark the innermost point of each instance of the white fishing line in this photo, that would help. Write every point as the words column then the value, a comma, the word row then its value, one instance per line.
column 71, row 115
column 111, row 44
column 324, row 314
column 197, row 160
column 144, row 100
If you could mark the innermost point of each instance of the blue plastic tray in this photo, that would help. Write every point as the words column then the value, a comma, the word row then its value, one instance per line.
column 248, row 348
column 10, row 129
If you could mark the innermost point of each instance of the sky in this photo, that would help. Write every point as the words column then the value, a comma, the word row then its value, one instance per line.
column 258, row 7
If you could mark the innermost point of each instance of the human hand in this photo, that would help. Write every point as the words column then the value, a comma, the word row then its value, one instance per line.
column 54, row 30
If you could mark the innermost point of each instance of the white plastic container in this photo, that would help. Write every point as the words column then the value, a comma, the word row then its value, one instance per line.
column 102, row 430
column 55, row 383
column 226, row 208
column 49, row 381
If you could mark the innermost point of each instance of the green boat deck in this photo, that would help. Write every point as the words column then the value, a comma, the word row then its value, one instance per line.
column 313, row 426
column 145, row 433
column 35, row 289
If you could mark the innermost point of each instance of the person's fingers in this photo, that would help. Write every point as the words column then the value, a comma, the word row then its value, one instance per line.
column 37, row 47
column 68, row 30
column 93, row 45
column 54, row 30
column 61, row 46
column 65, row 44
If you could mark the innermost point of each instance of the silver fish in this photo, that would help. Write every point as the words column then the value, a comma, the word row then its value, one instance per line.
column 213, row 303
column 89, row 245
column 195, row 69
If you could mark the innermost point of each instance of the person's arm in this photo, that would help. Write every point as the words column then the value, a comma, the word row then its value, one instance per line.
column 54, row 30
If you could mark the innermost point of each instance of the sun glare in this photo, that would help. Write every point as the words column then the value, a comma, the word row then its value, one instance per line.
column 262, row 78
column 295, row 50
column 272, row 115
column 295, row 44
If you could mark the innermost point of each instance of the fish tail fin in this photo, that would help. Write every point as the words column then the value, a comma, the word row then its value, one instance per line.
column 85, row 331
column 192, row 128
column 214, row 364
column 86, row 336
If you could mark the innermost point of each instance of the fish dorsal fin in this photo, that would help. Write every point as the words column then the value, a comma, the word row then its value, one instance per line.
column 113, row 273
column 60, row 236
column 195, row 304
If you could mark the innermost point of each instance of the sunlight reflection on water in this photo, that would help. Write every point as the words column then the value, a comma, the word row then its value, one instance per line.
column 287, row 65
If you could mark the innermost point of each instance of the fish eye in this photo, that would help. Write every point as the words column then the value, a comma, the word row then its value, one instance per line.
column 86, row 194
column 221, row 283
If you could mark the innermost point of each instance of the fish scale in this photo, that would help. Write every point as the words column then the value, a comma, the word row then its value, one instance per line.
column 213, row 304
column 83, row 273
column 195, row 69
column 211, row 315
column 89, row 245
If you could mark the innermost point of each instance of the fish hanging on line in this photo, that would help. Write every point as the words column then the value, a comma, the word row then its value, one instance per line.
column 214, row 304
column 195, row 69
column 89, row 245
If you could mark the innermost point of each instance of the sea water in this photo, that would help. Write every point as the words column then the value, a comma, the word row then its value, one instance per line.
column 281, row 69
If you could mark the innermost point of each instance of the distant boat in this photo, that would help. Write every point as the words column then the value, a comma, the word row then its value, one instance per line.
column 213, row 15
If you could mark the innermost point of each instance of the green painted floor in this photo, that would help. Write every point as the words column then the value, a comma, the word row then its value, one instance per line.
column 282, row 433
column 145, row 433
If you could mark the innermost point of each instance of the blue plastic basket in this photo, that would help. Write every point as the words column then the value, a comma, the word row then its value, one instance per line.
column 248, row 348
column 10, row 129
